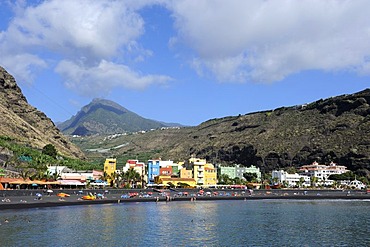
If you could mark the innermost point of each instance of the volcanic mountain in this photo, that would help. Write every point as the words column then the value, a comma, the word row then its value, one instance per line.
column 103, row 116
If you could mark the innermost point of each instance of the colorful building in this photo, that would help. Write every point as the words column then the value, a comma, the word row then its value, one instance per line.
column 198, row 169
column 153, row 170
column 138, row 167
column 186, row 173
column 177, row 182
column 203, row 173
column 110, row 166
column 167, row 171
column 238, row 171
column 210, row 174
column 230, row 171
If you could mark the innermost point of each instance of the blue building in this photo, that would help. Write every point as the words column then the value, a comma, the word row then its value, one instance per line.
column 153, row 170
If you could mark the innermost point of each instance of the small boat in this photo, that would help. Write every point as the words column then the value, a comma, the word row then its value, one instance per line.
column 275, row 186
column 89, row 197
column 61, row 194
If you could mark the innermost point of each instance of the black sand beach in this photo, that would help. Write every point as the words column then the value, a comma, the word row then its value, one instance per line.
column 28, row 199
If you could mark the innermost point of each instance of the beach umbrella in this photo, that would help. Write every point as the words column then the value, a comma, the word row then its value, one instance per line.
column 35, row 185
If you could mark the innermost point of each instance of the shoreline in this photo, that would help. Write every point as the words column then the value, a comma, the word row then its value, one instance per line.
column 29, row 202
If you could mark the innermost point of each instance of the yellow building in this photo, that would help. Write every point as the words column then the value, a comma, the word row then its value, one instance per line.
column 204, row 173
column 110, row 167
column 210, row 174
column 198, row 169
column 177, row 182
column 185, row 173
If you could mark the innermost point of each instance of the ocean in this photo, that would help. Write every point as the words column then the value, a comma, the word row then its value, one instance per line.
column 186, row 223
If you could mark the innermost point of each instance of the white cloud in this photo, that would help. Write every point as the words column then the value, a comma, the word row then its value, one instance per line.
column 22, row 65
column 268, row 40
column 93, row 29
column 100, row 80
column 236, row 40
column 85, row 33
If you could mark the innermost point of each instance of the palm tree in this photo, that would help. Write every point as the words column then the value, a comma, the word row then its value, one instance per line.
column 285, row 184
column 314, row 181
column 224, row 179
column 116, row 178
column 132, row 177
column 237, row 180
column 105, row 176
column 335, row 184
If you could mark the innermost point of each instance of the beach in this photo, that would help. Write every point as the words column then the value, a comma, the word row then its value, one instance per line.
column 28, row 199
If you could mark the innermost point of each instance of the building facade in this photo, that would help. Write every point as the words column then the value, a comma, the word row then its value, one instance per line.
column 210, row 174
column 152, row 170
column 291, row 180
column 238, row 171
column 230, row 171
column 186, row 173
column 198, row 169
column 163, row 180
column 110, row 166
column 322, row 172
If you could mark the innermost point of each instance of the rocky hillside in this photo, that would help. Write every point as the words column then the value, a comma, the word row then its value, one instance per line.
column 106, row 117
column 335, row 129
column 26, row 124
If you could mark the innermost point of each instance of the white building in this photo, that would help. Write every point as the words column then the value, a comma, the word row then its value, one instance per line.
column 322, row 172
column 291, row 180
column 137, row 166
column 165, row 163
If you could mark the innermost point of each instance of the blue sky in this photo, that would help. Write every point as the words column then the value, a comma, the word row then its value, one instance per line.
column 184, row 61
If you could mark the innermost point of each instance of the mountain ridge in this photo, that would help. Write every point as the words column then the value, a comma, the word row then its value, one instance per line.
column 335, row 129
column 102, row 116
column 26, row 124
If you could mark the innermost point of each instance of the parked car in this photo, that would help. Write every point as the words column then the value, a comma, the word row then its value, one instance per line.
column 125, row 196
column 355, row 184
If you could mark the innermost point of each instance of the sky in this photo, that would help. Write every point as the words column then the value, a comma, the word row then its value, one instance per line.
column 184, row 61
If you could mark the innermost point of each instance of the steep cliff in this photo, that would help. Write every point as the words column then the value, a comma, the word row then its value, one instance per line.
column 26, row 124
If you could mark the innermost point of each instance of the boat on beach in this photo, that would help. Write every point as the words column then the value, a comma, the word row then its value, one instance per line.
column 89, row 197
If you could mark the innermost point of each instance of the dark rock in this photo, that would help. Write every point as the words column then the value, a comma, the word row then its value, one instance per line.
column 27, row 125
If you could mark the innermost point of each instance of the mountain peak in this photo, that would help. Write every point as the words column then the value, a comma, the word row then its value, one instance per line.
column 102, row 116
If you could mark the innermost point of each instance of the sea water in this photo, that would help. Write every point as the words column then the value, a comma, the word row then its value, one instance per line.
column 186, row 223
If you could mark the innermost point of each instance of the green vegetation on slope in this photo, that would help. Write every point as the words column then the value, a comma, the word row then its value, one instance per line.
column 32, row 163
column 332, row 130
